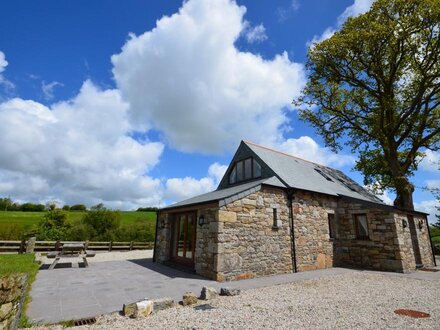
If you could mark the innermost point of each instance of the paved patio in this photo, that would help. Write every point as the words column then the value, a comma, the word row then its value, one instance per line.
column 73, row 293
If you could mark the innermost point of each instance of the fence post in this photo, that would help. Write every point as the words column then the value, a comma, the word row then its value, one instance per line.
column 57, row 245
column 86, row 245
column 131, row 245
column 22, row 246
column 110, row 245
column 31, row 245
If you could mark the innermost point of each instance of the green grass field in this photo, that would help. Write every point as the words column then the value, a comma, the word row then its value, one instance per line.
column 19, row 221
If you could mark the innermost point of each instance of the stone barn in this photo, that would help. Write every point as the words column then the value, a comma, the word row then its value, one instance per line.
column 274, row 213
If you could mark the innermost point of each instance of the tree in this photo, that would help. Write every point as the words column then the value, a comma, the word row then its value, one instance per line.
column 104, row 222
column 374, row 86
column 5, row 203
column 53, row 226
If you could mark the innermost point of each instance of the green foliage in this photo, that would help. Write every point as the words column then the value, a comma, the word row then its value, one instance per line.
column 29, row 207
column 53, row 226
column 147, row 209
column 103, row 222
column 5, row 204
column 66, row 208
column 78, row 207
column 373, row 86
column 435, row 231
column 18, row 225
column 20, row 263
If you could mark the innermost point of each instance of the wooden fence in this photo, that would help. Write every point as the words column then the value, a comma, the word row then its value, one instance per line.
column 47, row 246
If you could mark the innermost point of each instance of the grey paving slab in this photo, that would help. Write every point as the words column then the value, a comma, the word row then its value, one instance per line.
column 65, row 294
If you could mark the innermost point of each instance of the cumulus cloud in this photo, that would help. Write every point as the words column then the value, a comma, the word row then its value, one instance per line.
column 429, row 206
column 431, row 161
column 357, row 8
column 3, row 64
column 256, row 34
column 186, row 79
column 48, row 89
column 307, row 148
column 177, row 189
column 77, row 151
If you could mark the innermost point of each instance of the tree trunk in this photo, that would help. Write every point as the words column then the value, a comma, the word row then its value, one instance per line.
column 404, row 191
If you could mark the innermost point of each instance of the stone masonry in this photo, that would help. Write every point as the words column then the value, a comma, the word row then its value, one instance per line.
column 12, row 290
column 239, row 239
column 249, row 245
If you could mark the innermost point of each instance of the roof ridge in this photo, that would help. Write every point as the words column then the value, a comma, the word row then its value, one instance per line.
column 283, row 153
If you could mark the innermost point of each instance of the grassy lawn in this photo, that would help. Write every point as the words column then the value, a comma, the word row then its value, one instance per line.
column 13, row 223
column 27, row 219
column 20, row 263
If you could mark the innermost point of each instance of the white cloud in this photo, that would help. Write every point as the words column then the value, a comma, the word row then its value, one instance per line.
column 256, row 34
column 328, row 33
column 48, row 89
column 3, row 64
column 433, row 184
column 76, row 151
column 283, row 13
column 177, row 189
column 428, row 206
column 431, row 161
column 307, row 148
column 357, row 8
column 186, row 79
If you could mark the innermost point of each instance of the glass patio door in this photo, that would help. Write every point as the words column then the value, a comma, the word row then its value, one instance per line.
column 184, row 237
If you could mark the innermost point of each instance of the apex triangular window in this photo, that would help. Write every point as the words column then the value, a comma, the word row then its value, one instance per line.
column 244, row 170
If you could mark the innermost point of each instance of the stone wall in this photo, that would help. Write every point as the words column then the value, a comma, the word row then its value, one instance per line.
column 313, row 246
column 379, row 252
column 163, row 237
column 405, row 242
column 206, row 246
column 248, row 244
column 389, row 246
column 12, row 291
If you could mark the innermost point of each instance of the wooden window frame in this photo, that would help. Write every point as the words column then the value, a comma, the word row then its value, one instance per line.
column 356, row 222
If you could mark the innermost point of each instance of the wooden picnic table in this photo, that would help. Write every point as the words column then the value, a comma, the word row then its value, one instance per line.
column 71, row 250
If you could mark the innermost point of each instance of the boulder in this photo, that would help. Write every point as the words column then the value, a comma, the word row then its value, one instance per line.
column 208, row 293
column 141, row 308
column 189, row 298
column 229, row 292
column 162, row 303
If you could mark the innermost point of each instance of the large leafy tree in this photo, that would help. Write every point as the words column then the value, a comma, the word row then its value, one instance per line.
column 374, row 86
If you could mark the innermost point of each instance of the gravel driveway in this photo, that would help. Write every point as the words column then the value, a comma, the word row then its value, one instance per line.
column 362, row 300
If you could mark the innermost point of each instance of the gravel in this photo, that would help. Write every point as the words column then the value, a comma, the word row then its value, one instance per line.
column 354, row 300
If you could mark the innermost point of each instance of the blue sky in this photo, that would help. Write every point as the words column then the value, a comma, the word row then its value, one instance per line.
column 136, row 103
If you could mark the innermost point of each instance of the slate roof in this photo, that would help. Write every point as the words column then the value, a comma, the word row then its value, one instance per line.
column 226, row 193
column 298, row 173
column 290, row 172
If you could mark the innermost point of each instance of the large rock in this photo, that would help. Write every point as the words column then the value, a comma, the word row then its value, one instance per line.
column 5, row 310
column 162, row 303
column 138, row 309
column 208, row 293
column 189, row 298
column 229, row 292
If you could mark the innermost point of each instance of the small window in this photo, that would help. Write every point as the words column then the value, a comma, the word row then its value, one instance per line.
column 275, row 219
column 257, row 169
column 240, row 171
column 248, row 168
column 361, row 226
column 331, row 226
column 232, row 176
